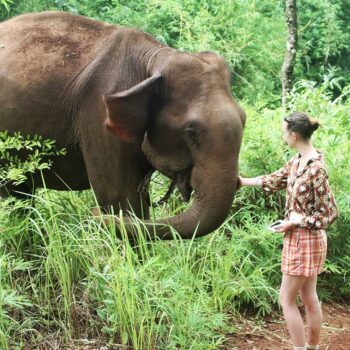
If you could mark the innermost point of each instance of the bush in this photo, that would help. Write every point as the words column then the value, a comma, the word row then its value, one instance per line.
column 251, row 35
column 21, row 156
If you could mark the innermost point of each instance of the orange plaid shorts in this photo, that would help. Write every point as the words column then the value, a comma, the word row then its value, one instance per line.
column 304, row 252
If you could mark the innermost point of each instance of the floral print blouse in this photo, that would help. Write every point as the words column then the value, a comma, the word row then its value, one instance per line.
column 308, row 191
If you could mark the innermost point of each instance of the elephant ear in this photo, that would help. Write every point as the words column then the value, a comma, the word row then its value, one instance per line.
column 128, row 111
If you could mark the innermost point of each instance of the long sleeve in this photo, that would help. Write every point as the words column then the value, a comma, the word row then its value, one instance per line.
column 324, row 208
column 277, row 180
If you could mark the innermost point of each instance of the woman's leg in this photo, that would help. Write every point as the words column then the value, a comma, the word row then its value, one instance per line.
column 290, row 288
column 313, row 310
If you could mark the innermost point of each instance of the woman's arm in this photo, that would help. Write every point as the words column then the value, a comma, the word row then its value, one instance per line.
column 276, row 181
column 270, row 183
column 250, row 181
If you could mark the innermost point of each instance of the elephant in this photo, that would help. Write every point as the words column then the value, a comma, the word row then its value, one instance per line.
column 123, row 105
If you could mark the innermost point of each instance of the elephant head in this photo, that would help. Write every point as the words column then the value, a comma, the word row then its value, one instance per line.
column 190, row 129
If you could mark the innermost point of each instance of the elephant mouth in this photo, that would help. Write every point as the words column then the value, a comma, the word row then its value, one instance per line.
column 183, row 183
column 180, row 179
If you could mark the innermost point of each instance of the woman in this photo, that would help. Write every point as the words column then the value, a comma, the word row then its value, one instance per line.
column 310, row 208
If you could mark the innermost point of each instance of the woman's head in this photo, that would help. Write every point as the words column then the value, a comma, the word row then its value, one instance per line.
column 298, row 126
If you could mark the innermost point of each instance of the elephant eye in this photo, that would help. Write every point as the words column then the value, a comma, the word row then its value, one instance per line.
column 192, row 134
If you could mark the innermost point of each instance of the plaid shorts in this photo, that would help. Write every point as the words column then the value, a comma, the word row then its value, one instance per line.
column 304, row 252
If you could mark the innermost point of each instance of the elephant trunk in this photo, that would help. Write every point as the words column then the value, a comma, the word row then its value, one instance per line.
column 214, row 189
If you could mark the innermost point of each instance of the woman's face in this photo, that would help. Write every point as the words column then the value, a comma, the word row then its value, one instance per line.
column 288, row 137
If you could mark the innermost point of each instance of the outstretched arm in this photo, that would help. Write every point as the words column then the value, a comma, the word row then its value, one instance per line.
column 250, row 181
column 270, row 183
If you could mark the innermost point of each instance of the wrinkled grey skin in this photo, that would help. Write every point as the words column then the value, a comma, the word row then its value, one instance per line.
column 123, row 105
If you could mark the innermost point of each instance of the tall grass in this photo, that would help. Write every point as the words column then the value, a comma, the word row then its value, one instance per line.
column 80, row 279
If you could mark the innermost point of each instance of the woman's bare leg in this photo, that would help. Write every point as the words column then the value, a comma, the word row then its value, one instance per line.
column 290, row 288
column 313, row 310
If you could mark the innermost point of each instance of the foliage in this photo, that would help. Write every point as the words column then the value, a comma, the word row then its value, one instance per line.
column 249, row 34
column 324, row 39
column 62, row 272
column 6, row 4
column 174, row 294
column 10, row 298
column 21, row 156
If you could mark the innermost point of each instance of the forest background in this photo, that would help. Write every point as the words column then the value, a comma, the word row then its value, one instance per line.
column 63, row 276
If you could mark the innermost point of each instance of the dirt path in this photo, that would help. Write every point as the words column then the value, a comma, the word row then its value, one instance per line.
column 271, row 333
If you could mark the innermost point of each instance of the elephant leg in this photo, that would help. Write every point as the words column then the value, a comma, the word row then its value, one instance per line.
column 115, row 173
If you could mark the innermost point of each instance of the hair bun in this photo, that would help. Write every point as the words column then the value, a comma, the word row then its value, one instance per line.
column 314, row 124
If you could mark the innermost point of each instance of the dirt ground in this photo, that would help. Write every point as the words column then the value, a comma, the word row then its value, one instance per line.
column 271, row 333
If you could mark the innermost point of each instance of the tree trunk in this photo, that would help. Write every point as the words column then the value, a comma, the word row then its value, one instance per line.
column 289, row 59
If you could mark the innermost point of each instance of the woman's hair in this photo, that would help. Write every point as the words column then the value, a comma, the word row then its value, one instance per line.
column 302, row 124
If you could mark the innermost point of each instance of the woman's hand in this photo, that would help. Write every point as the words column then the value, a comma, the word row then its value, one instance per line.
column 296, row 218
column 285, row 226
column 240, row 181
column 293, row 221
